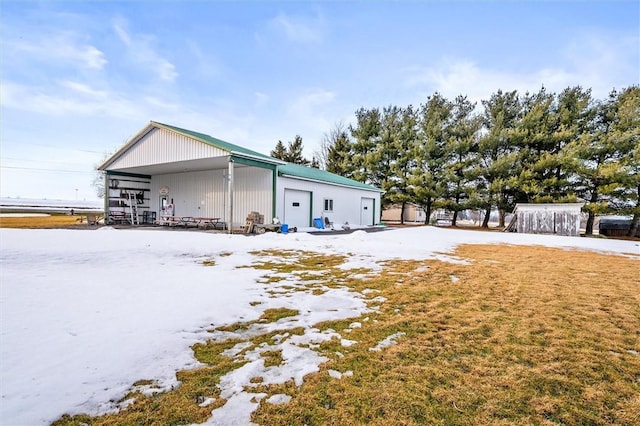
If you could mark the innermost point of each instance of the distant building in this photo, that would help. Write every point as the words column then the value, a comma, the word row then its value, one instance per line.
column 413, row 214
column 616, row 226
column 554, row 219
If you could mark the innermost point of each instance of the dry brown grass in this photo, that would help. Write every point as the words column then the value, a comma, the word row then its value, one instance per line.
column 524, row 336
column 53, row 221
column 519, row 335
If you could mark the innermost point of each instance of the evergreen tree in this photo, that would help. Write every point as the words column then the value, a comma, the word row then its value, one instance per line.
column 596, row 161
column 280, row 152
column 401, row 168
column 339, row 156
column 292, row 153
column 532, row 138
column 545, row 130
column 366, row 136
column 460, row 149
column 427, row 178
column 381, row 159
column 497, row 154
column 626, row 133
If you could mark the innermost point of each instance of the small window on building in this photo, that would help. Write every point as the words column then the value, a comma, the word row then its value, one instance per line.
column 295, row 204
column 328, row 205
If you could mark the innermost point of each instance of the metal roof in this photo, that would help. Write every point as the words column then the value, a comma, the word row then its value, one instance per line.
column 284, row 169
column 317, row 175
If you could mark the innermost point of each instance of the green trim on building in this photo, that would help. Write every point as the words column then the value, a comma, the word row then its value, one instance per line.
column 125, row 174
column 374, row 212
column 310, row 173
column 274, row 190
column 254, row 163
column 310, row 208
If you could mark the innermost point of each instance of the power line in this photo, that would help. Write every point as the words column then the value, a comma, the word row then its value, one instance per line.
column 32, row 160
column 66, row 148
column 45, row 170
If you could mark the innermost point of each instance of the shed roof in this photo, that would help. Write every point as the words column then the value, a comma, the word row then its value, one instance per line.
column 548, row 206
column 313, row 174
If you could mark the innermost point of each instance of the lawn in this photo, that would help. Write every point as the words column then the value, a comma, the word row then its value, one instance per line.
column 43, row 221
column 506, row 335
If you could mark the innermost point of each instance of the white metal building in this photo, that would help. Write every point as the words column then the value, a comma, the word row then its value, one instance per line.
column 168, row 170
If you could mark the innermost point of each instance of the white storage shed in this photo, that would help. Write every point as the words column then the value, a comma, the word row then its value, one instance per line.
column 558, row 219
column 167, row 170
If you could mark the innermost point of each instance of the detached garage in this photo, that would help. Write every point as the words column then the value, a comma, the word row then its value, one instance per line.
column 165, row 170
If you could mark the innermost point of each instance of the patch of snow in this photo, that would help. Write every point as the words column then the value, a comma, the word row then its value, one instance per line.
column 454, row 279
column 335, row 374
column 346, row 343
column 206, row 402
column 388, row 341
column 106, row 309
column 279, row 399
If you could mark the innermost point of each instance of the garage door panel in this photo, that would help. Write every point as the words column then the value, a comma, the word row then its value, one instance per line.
column 297, row 208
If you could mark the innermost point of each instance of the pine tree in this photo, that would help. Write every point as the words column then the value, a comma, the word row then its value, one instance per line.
column 294, row 152
column 381, row 159
column 596, row 161
column 339, row 156
column 366, row 134
column 460, row 149
column 497, row 154
column 401, row 168
column 427, row 182
column 626, row 133
column 280, row 152
column 532, row 138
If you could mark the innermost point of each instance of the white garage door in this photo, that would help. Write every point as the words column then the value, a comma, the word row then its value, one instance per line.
column 366, row 211
column 297, row 208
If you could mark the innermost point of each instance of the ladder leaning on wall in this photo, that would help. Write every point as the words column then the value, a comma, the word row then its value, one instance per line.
column 133, row 208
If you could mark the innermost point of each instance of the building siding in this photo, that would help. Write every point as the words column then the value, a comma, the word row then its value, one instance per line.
column 560, row 219
column 346, row 201
column 162, row 146
column 204, row 193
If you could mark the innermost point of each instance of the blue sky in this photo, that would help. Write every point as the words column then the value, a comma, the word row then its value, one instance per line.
column 78, row 79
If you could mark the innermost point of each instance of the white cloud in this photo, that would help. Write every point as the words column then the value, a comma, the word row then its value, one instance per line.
column 59, row 48
column 67, row 98
column 593, row 61
column 299, row 29
column 309, row 115
column 141, row 51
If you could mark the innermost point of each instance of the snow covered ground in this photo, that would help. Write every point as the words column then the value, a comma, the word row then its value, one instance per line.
column 86, row 313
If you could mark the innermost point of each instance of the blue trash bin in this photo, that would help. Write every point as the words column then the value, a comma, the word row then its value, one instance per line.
column 284, row 228
column 318, row 223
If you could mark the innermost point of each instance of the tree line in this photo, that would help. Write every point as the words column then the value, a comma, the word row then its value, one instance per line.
column 529, row 148
column 514, row 148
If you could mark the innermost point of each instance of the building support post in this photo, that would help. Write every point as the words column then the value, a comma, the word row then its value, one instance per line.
column 230, row 197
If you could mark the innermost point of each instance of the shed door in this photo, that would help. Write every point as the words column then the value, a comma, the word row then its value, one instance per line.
column 366, row 211
column 297, row 208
